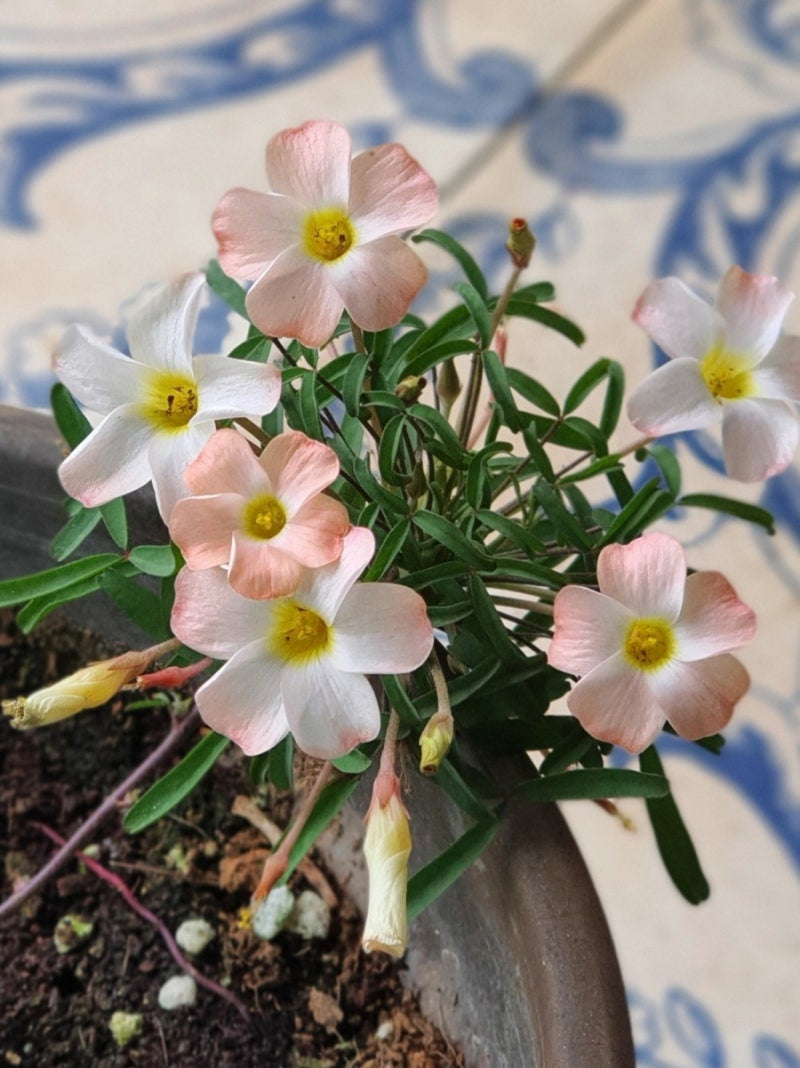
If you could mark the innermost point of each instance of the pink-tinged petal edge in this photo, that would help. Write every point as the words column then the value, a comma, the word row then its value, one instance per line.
column 381, row 629
column 615, row 703
column 311, row 163
column 227, row 464
column 753, row 307
column 298, row 467
column 253, row 229
column 202, row 528
column 329, row 711
column 390, row 192
column 325, row 588
column 698, row 699
column 759, row 438
column 713, row 620
column 261, row 570
column 677, row 319
column 211, row 618
column 111, row 461
column 378, row 281
column 589, row 628
column 295, row 298
column 315, row 535
column 648, row 575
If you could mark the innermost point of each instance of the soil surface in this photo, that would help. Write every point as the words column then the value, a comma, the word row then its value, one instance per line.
column 310, row 1003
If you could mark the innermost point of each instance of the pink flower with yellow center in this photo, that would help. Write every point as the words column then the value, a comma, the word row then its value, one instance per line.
column 159, row 404
column 651, row 646
column 727, row 363
column 299, row 663
column 326, row 237
column 264, row 516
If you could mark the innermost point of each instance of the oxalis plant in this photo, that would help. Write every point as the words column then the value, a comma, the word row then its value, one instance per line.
column 373, row 553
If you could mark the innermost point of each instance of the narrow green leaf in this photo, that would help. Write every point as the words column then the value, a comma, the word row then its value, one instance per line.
column 612, row 405
column 353, row 382
column 352, row 763
column 478, row 310
column 255, row 349
column 390, row 449
column 668, row 465
column 436, row 354
column 70, row 420
column 116, row 521
column 141, row 605
column 568, row 751
column 459, row 254
column 74, row 532
column 26, row 587
column 389, row 548
column 498, row 383
column 512, row 531
column 750, row 512
column 533, row 391
column 400, row 701
column 563, row 520
column 593, row 783
column 490, row 622
column 456, row 321
column 391, row 503
column 231, row 292
column 649, row 501
column 586, row 382
column 446, row 533
column 36, row 609
column 281, row 764
column 176, row 784
column 547, row 317
column 309, row 406
column 672, row 838
column 156, row 560
column 432, row 880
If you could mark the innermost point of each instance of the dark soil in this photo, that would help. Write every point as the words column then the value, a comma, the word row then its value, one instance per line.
column 312, row 1004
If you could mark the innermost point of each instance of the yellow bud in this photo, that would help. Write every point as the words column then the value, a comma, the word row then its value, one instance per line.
column 409, row 389
column 387, row 847
column 435, row 740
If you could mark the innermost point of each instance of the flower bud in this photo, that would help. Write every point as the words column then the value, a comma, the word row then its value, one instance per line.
column 410, row 389
column 521, row 243
column 387, row 846
column 435, row 740
column 448, row 384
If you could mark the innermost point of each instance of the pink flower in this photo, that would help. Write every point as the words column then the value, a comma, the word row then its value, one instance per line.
column 727, row 363
column 299, row 663
column 652, row 645
column 159, row 404
column 264, row 516
column 326, row 238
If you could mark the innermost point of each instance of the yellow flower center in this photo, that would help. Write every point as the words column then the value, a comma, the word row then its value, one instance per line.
column 649, row 644
column 728, row 375
column 298, row 634
column 328, row 234
column 264, row 517
column 170, row 400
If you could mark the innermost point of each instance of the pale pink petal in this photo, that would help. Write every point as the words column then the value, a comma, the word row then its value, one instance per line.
column 673, row 398
column 315, row 535
column 243, row 701
column 378, row 281
column 759, row 438
column 97, row 375
column 227, row 464
column 298, row 467
column 259, row 569
column 202, row 528
column 329, row 712
column 324, row 588
column 229, row 388
column 169, row 454
column 296, row 298
column 311, row 163
column 778, row 375
column 111, row 461
column 754, row 307
column 589, row 628
column 648, row 576
column 390, row 192
column 677, row 319
column 160, row 333
column 713, row 620
column 698, row 698
column 614, row 703
column 253, row 229
column 381, row 629
column 211, row 618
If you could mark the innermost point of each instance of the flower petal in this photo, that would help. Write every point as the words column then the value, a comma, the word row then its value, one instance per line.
column 202, row 528
column 160, row 334
column 229, row 388
column 390, row 192
column 378, row 281
column 169, row 454
column 759, row 438
column 259, row 569
column 381, row 629
column 673, row 398
column 754, row 307
column 648, row 576
column 98, row 376
column 298, row 467
column 615, row 703
column 778, row 375
column 713, row 620
column 253, row 229
column 311, row 163
column 589, row 628
column 677, row 319
column 698, row 698
column 325, row 588
column 243, row 701
column 329, row 712
column 315, row 535
column 111, row 461
column 227, row 464
column 295, row 298
column 212, row 618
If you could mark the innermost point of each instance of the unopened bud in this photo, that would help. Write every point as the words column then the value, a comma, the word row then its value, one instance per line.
column 521, row 243
column 434, row 742
column 418, row 483
column 409, row 389
column 387, row 847
column 448, row 384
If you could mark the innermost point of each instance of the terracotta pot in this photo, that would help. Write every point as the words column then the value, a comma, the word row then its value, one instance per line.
column 514, row 961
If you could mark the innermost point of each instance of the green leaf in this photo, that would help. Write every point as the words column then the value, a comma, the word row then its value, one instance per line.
column 455, row 321
column 436, row 354
column 568, row 751
column 594, row 784
column 330, row 803
column 353, row 763
column 672, row 838
column 478, row 310
column 459, row 254
column 231, row 292
column 116, row 521
column 309, row 406
column 612, row 405
column 491, row 624
column 391, row 503
column 533, row 391
column 432, row 880
column 389, row 548
column 563, row 520
column 281, row 764
column 156, row 560
column 39, row 607
column 176, row 784
column 446, row 533
column 70, row 420
column 140, row 604
column 668, row 465
column 588, row 381
column 526, row 309
column 74, row 531
column 512, row 531
column 390, row 449
column 498, row 383
column 353, row 382
column 648, row 503
column 255, row 349
column 26, row 587
column 749, row 512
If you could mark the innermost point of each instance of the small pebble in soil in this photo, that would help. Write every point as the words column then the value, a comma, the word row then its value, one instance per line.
column 194, row 935
column 385, row 1031
column 70, row 931
column 272, row 913
column 125, row 1026
column 177, row 992
column 310, row 917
